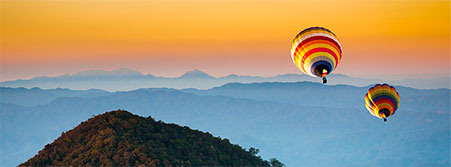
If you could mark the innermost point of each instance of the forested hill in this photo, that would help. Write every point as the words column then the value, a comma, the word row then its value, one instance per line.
column 119, row 138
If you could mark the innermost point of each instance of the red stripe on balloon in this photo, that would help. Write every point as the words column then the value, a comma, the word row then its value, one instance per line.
column 319, row 38
column 306, row 55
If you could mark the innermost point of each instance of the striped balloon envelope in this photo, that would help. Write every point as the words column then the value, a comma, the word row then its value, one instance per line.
column 382, row 101
column 316, row 52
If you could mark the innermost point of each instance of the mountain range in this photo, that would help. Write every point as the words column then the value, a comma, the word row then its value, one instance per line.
column 125, row 79
column 301, row 123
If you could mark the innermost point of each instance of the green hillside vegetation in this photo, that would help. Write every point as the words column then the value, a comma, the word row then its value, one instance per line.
column 119, row 138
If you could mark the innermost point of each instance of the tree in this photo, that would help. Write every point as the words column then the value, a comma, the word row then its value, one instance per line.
column 275, row 163
column 254, row 151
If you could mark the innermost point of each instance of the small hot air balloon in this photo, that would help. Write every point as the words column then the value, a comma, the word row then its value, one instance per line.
column 382, row 101
column 316, row 52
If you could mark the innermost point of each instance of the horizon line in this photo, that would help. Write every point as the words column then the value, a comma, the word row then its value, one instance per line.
column 370, row 76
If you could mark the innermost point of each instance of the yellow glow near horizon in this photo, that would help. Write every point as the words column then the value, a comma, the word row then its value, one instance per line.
column 258, row 34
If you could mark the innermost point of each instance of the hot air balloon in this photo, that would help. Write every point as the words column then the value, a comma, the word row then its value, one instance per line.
column 316, row 52
column 382, row 101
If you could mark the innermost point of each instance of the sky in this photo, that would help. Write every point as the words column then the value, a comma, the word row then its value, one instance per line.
column 249, row 37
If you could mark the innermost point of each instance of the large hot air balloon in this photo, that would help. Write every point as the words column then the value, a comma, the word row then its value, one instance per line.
column 382, row 101
column 316, row 52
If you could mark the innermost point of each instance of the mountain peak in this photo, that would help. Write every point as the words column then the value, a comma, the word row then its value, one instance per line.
column 119, row 138
column 126, row 71
column 195, row 74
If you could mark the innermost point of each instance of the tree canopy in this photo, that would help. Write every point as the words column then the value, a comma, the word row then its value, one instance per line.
column 119, row 138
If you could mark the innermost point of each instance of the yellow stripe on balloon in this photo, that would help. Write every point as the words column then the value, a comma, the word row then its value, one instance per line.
column 330, row 45
column 368, row 106
column 320, row 58
column 318, row 54
column 381, row 91
column 313, row 32
column 303, row 51
column 385, row 105
column 298, row 63
column 299, row 40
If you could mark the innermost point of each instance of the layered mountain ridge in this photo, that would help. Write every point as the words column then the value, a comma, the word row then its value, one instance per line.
column 124, row 79
column 298, row 123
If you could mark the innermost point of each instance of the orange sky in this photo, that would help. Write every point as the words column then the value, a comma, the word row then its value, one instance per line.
column 167, row 38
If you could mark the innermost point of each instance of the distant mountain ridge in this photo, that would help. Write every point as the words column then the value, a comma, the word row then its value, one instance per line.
column 36, row 96
column 299, row 123
column 259, row 91
column 118, row 72
column 316, row 94
column 125, row 79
